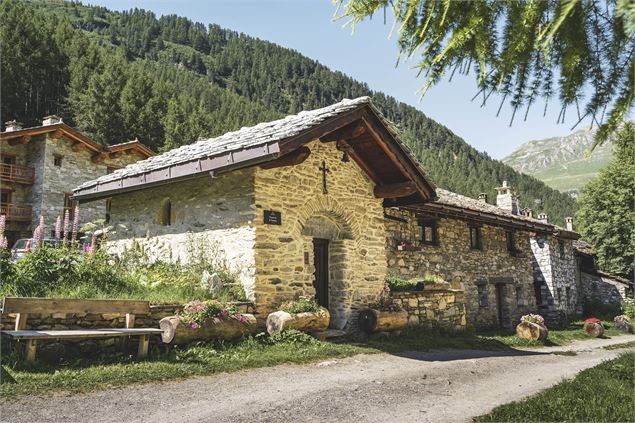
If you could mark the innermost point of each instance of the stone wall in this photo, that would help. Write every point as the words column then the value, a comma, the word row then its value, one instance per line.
column 555, row 273
column 604, row 288
column 210, row 216
column 470, row 270
column 434, row 308
column 348, row 215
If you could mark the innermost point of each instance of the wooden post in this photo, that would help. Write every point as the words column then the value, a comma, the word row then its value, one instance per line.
column 129, row 321
column 20, row 321
column 144, row 340
column 31, row 349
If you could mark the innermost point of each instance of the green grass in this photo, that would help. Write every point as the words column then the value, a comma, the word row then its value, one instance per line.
column 620, row 346
column 86, row 375
column 600, row 394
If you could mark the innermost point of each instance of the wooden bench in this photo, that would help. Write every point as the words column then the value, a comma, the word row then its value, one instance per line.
column 22, row 307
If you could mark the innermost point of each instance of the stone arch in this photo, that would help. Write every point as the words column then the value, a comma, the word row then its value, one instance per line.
column 328, row 208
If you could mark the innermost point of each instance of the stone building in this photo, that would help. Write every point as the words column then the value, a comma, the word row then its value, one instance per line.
column 327, row 204
column 41, row 165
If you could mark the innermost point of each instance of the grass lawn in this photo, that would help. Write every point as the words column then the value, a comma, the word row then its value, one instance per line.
column 600, row 394
column 292, row 347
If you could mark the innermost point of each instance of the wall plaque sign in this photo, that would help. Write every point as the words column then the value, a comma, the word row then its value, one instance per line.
column 272, row 217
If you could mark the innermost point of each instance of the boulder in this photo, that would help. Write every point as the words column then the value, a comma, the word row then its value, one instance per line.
column 532, row 331
column 623, row 324
column 596, row 330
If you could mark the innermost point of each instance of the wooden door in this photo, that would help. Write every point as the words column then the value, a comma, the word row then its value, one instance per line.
column 500, row 295
column 321, row 263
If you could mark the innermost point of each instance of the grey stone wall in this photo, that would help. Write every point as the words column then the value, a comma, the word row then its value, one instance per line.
column 217, row 212
column 434, row 308
column 466, row 269
column 603, row 288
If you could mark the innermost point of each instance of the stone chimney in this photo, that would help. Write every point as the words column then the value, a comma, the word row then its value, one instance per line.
column 543, row 217
column 527, row 212
column 507, row 199
column 482, row 197
column 51, row 120
column 12, row 125
column 569, row 222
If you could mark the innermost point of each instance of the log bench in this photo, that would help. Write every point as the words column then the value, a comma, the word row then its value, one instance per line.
column 22, row 307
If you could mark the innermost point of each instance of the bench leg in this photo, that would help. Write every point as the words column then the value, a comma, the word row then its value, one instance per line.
column 31, row 350
column 144, row 340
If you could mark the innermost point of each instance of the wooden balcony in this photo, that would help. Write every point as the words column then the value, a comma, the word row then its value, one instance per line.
column 17, row 173
column 16, row 213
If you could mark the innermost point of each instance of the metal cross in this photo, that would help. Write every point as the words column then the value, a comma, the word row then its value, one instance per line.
column 324, row 170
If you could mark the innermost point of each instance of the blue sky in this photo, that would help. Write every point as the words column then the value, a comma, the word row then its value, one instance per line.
column 369, row 56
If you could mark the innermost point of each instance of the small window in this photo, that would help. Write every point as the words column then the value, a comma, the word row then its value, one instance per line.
column 511, row 245
column 57, row 160
column 561, row 249
column 475, row 238
column 108, row 205
column 538, row 292
column 559, row 295
column 165, row 213
column 482, row 295
column 8, row 159
column 427, row 232
column 5, row 196
column 519, row 295
column 568, row 299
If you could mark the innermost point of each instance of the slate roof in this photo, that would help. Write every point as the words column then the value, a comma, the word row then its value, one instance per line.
column 254, row 136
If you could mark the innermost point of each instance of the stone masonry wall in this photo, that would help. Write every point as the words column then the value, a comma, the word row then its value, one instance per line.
column 349, row 216
column 217, row 213
column 466, row 269
column 434, row 308
column 554, row 269
column 603, row 288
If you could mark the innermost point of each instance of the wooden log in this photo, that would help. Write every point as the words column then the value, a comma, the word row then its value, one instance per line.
column 371, row 321
column 307, row 322
column 177, row 332
column 531, row 331
column 402, row 189
column 596, row 330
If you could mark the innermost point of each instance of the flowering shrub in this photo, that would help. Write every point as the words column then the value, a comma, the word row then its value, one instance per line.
column 195, row 313
column 593, row 320
column 301, row 305
column 533, row 318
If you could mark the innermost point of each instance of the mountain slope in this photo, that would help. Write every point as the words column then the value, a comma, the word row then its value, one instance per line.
column 169, row 81
column 560, row 161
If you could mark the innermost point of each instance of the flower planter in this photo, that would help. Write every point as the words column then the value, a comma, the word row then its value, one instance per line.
column 371, row 320
column 594, row 329
column 532, row 331
column 176, row 332
column 623, row 324
column 317, row 321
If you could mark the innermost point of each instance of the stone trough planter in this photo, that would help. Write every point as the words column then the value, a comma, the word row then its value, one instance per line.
column 596, row 330
column 623, row 324
column 532, row 331
column 176, row 332
column 373, row 321
column 317, row 321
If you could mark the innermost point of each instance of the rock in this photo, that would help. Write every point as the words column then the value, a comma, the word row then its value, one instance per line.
column 51, row 353
column 596, row 330
column 531, row 331
column 88, row 348
column 623, row 324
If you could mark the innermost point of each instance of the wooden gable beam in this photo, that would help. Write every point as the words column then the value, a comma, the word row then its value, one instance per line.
column 98, row 157
column 347, row 132
column 294, row 158
column 402, row 189
column 78, row 146
column 20, row 140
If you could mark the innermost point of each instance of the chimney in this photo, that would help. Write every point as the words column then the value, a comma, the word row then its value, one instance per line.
column 507, row 199
column 543, row 217
column 51, row 120
column 569, row 222
column 527, row 212
column 482, row 197
column 12, row 125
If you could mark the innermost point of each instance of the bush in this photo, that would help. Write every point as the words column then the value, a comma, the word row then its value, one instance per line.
column 292, row 337
column 397, row 284
column 595, row 307
column 302, row 305
column 628, row 308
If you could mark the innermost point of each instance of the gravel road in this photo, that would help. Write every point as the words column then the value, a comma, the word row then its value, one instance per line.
column 438, row 386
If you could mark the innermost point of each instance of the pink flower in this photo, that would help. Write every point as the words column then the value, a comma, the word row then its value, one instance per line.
column 195, row 325
column 66, row 222
column 58, row 229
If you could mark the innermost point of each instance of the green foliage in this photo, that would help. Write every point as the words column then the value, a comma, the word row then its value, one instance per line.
column 169, row 81
column 293, row 337
column 594, row 306
column 606, row 216
column 301, row 305
column 522, row 50
column 603, row 393
column 398, row 284
column 628, row 308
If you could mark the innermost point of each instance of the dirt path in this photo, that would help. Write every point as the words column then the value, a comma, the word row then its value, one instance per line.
column 441, row 386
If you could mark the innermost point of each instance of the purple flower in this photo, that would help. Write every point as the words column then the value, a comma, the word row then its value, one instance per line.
column 66, row 221
column 195, row 325
column 75, row 222
column 58, row 229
